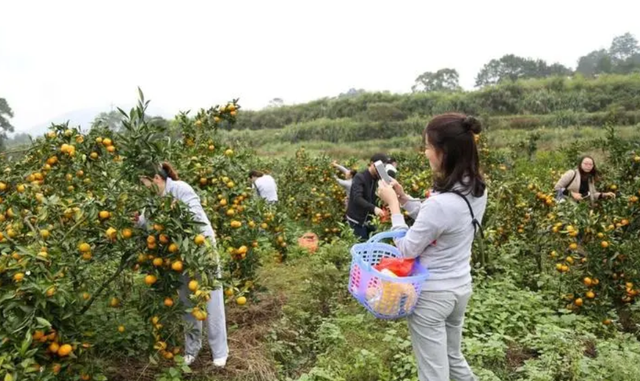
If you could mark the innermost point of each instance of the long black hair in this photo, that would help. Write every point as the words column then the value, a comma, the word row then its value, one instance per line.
column 453, row 136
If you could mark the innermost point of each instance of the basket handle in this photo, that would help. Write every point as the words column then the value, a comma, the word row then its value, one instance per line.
column 389, row 234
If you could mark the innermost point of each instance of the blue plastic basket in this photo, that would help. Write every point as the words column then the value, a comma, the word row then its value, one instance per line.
column 385, row 296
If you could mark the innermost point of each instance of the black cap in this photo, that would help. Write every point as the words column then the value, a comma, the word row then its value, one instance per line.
column 379, row 156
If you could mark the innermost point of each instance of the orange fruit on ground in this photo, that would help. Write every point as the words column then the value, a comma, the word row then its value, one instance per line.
column 241, row 301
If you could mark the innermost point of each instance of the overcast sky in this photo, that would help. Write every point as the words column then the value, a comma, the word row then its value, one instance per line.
column 64, row 55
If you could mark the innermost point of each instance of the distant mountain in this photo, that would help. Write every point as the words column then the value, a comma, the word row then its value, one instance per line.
column 84, row 117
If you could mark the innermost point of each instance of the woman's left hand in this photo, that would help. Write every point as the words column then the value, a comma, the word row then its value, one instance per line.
column 610, row 195
column 386, row 193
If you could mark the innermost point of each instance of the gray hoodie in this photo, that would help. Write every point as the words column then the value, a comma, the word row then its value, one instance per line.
column 441, row 237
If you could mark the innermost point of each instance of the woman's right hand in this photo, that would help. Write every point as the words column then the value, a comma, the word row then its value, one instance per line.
column 576, row 196
column 399, row 190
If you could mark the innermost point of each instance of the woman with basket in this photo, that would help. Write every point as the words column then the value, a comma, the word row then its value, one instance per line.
column 441, row 239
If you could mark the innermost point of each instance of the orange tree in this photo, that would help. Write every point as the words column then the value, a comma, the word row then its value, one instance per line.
column 76, row 275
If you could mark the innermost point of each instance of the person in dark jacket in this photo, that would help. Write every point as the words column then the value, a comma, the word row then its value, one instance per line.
column 362, row 199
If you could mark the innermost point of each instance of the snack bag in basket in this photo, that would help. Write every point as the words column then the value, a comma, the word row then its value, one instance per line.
column 386, row 296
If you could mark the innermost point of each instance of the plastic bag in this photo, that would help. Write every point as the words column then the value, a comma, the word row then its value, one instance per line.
column 399, row 266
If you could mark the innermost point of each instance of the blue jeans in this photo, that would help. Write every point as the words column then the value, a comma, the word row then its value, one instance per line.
column 361, row 231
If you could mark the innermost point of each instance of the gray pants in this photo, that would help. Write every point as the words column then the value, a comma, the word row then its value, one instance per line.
column 436, row 335
column 216, row 324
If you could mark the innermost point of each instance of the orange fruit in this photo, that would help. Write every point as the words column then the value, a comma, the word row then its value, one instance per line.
column 127, row 233
column 587, row 281
column 173, row 248
column 164, row 239
column 241, row 301
column 150, row 279
column 578, row 302
column 168, row 302
column 54, row 348
column 158, row 262
column 112, row 233
column 590, row 294
column 104, row 214
column 199, row 240
column 604, row 244
column 121, row 329
column 177, row 266
column 193, row 285
column 64, row 350
column 84, row 247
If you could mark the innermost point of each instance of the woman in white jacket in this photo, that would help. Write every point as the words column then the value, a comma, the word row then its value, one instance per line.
column 441, row 239
column 165, row 179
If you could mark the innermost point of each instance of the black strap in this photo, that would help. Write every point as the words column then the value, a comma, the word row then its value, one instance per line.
column 476, row 225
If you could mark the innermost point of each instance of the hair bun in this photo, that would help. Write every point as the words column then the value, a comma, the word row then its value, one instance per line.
column 472, row 124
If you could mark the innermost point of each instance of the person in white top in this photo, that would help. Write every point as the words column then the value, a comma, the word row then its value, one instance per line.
column 165, row 179
column 265, row 185
column 346, row 183
column 441, row 238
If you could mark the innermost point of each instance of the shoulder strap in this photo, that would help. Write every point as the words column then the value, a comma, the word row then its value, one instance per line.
column 575, row 173
column 476, row 225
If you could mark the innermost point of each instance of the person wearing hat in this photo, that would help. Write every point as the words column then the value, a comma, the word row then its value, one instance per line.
column 362, row 199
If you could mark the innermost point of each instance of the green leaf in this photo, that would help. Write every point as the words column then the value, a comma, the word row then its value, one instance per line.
column 43, row 322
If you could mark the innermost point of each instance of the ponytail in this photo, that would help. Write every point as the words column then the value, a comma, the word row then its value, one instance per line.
column 164, row 170
column 169, row 171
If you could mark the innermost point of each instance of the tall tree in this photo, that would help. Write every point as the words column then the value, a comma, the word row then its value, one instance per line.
column 275, row 103
column 112, row 119
column 623, row 48
column 442, row 80
column 5, row 114
column 596, row 62
column 511, row 67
